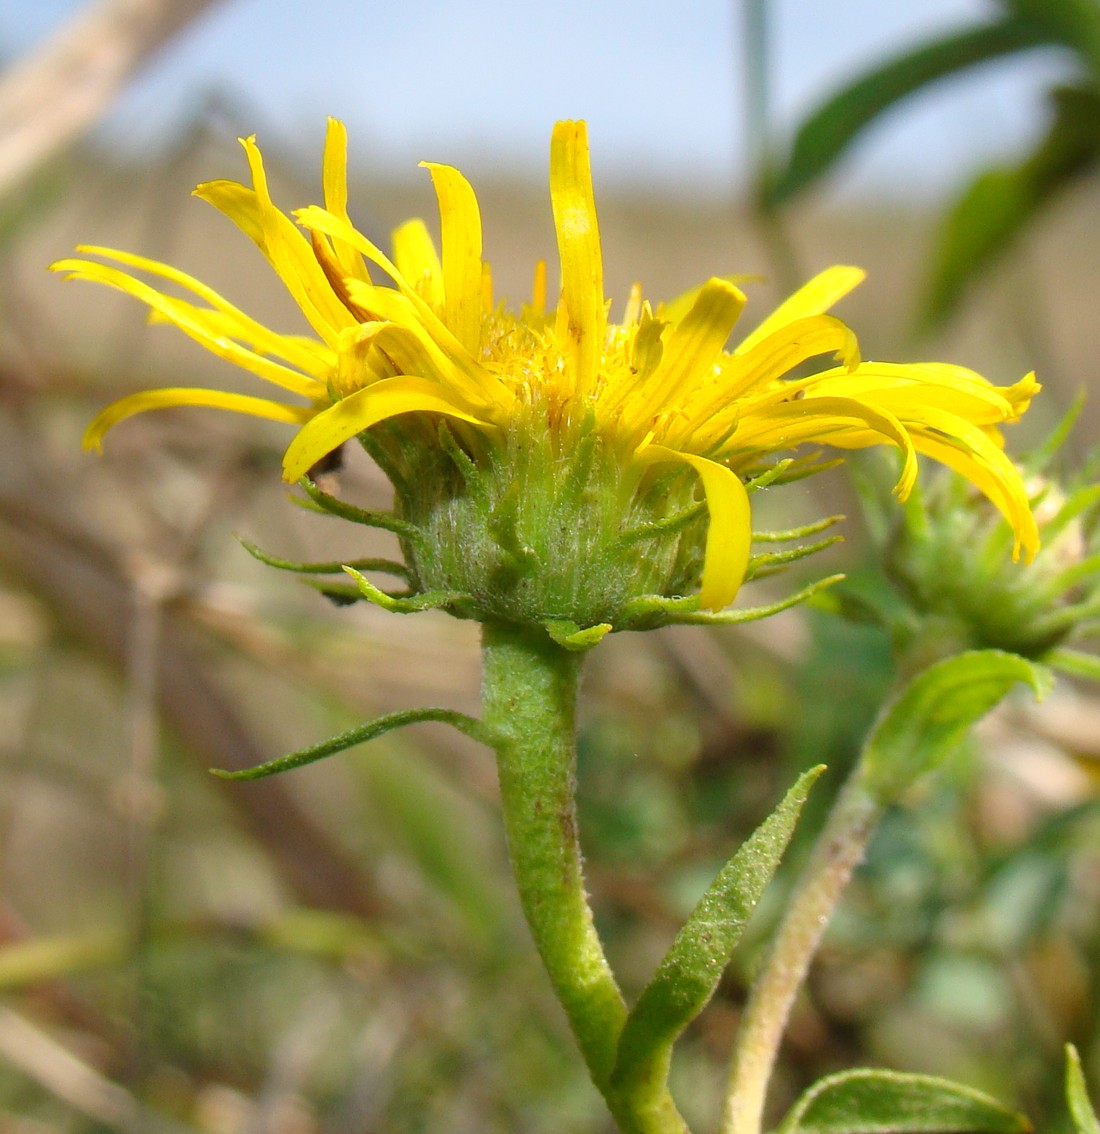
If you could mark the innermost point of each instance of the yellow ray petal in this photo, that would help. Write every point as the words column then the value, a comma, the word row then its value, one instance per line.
column 286, row 249
column 689, row 354
column 675, row 309
column 996, row 477
column 538, row 290
column 981, row 409
column 771, row 358
column 581, row 313
column 478, row 385
column 339, row 423
column 238, row 203
column 334, row 180
column 813, row 298
column 205, row 327
column 417, row 260
column 292, row 257
column 415, row 351
column 460, row 233
column 933, row 427
column 189, row 396
column 1019, row 394
column 826, row 420
column 975, row 397
column 307, row 354
column 729, row 531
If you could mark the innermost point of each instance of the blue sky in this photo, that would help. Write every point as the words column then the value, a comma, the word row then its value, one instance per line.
column 479, row 82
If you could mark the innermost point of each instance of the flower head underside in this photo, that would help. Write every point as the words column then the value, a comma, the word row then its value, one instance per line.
column 418, row 338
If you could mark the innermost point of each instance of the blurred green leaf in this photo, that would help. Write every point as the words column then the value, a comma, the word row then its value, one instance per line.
column 687, row 977
column 1075, row 663
column 1001, row 202
column 891, row 1102
column 1084, row 1117
column 831, row 129
column 439, row 830
column 1074, row 23
column 52, row 958
column 930, row 716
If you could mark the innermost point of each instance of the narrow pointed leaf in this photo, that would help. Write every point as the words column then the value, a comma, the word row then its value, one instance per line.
column 687, row 977
column 1073, row 23
column 1074, row 663
column 890, row 1102
column 1001, row 202
column 1081, row 1110
column 930, row 716
column 830, row 130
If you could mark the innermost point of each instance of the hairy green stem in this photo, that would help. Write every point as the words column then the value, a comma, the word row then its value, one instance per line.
column 530, row 692
column 529, row 695
column 836, row 854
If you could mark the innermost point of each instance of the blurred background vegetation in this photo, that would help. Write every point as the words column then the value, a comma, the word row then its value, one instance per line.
column 340, row 949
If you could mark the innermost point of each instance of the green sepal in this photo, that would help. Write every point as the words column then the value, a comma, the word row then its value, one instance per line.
column 929, row 717
column 749, row 613
column 826, row 135
column 791, row 469
column 475, row 482
column 334, row 567
column 687, row 977
column 893, row 1102
column 414, row 604
column 572, row 637
column 470, row 726
column 668, row 526
column 769, row 562
column 647, row 612
column 1080, row 1109
column 321, row 501
column 503, row 530
column 578, row 478
column 797, row 533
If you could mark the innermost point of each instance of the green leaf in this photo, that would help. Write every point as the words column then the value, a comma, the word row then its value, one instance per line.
column 1073, row 23
column 1084, row 1117
column 438, row 827
column 42, row 959
column 930, row 716
column 1000, row 202
column 687, row 977
column 832, row 128
column 891, row 1102
column 1074, row 663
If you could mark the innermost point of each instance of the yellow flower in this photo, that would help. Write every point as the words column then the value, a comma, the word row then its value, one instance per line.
column 658, row 390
